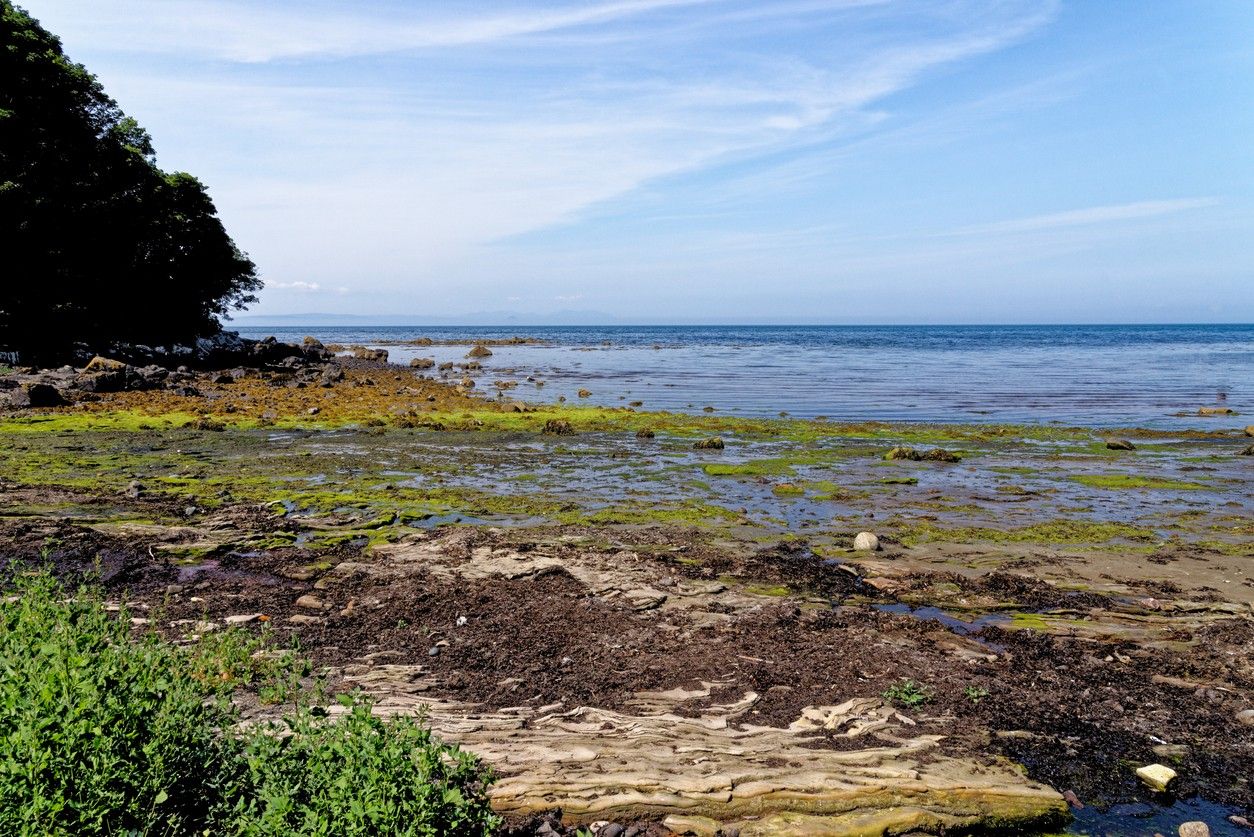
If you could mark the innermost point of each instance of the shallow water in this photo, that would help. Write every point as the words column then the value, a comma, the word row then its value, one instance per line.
column 1102, row 376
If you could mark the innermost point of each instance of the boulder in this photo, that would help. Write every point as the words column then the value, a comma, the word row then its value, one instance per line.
column 1119, row 444
column 1249, row 430
column 479, row 350
column 584, row 393
column 1216, row 411
column 1194, row 828
column 422, row 363
column 941, row 455
column 866, row 541
column 713, row 443
column 36, row 395
column 311, row 342
column 1248, row 450
column 909, row 454
column 644, row 433
column 558, row 427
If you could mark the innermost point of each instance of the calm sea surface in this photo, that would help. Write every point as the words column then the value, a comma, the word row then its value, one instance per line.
column 1101, row 376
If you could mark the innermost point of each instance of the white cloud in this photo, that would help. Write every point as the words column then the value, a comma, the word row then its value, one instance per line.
column 1089, row 216
column 296, row 286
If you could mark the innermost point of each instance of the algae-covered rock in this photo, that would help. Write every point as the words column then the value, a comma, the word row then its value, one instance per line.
column 1119, row 444
column 903, row 453
column 558, row 427
column 713, row 443
column 1156, row 776
column 422, row 363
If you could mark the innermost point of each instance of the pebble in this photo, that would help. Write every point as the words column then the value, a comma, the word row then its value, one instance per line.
column 1156, row 776
column 1194, row 828
column 1246, row 717
column 241, row 618
column 611, row 829
column 433, row 651
column 461, row 621
column 1241, row 821
column 866, row 541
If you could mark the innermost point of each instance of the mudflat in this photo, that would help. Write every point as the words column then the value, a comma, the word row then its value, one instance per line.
column 635, row 627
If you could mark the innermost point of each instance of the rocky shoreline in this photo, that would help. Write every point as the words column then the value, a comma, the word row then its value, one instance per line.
column 656, row 636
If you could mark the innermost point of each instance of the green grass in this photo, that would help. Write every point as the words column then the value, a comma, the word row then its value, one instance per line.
column 106, row 732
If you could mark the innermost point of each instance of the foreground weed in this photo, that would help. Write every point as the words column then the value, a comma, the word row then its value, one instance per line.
column 908, row 693
column 975, row 694
column 103, row 732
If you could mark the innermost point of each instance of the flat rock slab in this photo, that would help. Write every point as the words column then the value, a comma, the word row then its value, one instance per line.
column 717, row 769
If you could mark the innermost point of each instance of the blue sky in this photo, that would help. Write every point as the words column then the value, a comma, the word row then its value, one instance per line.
column 843, row 161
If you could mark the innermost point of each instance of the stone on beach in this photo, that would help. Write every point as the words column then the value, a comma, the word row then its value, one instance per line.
column 479, row 351
column 713, row 443
column 1119, row 444
column 309, row 602
column 866, row 541
column 1156, row 776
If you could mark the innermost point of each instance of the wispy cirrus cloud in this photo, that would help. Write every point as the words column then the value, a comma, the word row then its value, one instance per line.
column 396, row 141
column 1088, row 216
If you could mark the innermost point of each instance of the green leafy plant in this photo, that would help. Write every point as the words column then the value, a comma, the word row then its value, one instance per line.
column 106, row 732
column 357, row 775
column 908, row 693
column 100, row 732
column 975, row 694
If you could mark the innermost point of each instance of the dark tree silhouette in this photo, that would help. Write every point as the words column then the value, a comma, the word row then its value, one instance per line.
column 97, row 244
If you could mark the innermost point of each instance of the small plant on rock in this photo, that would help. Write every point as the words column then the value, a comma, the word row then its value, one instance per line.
column 975, row 694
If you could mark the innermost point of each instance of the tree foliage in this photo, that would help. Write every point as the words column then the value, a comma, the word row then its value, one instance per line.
column 99, row 244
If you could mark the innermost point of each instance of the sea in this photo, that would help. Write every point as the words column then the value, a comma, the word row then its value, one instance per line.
column 1155, row 376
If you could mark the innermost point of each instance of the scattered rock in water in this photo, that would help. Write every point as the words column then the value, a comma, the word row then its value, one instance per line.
column 558, row 427
column 363, row 353
column 468, row 383
column 1119, row 444
column 422, row 363
column 584, row 393
column 1249, row 430
column 1156, row 776
column 645, row 433
column 1194, row 828
column 866, row 541
column 479, row 350
column 901, row 452
column 1216, row 411
column 1248, row 450
column 713, row 443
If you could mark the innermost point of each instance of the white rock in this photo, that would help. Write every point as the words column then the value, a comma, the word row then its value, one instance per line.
column 866, row 541
column 1157, row 776
column 1194, row 828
